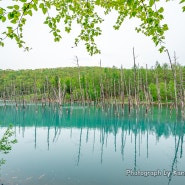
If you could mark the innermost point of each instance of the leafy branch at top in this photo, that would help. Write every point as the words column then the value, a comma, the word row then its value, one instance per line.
column 14, row 15
column 84, row 13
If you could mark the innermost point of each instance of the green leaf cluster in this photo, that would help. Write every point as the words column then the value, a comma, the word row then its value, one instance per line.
column 6, row 141
column 86, row 15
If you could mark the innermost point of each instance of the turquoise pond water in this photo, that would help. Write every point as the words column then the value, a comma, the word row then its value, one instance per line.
column 89, row 146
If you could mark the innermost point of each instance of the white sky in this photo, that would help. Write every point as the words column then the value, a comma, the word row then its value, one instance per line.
column 116, row 46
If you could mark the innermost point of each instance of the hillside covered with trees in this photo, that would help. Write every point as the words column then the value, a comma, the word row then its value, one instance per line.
column 161, row 84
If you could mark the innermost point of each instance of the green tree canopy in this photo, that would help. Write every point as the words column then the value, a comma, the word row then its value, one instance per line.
column 15, row 13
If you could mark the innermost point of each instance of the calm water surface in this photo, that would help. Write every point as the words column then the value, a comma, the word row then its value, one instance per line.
column 91, row 146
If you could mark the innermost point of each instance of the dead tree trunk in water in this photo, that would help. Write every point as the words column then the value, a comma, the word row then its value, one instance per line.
column 122, row 88
column 22, row 94
column 158, row 90
column 101, row 88
column 146, row 91
column 87, row 91
column 35, row 92
column 44, row 96
column 175, row 80
column 165, row 84
column 59, row 93
column 79, row 79
column 48, row 87
column 93, row 84
column 135, row 86
column 129, row 97
column 138, row 86
column 114, row 91
column 71, row 94
column 181, row 91
column 15, row 95
column 4, row 97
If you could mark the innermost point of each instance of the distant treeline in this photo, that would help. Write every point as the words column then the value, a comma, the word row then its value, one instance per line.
column 160, row 84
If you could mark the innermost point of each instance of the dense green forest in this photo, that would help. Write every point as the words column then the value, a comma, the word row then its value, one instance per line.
column 160, row 84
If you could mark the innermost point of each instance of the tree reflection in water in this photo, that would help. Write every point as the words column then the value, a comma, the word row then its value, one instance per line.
column 132, row 134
